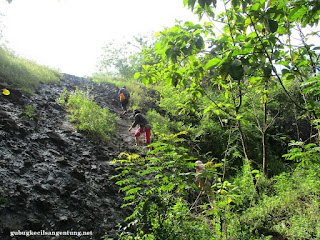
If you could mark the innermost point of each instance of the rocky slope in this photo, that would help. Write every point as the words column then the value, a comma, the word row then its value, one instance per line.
column 52, row 177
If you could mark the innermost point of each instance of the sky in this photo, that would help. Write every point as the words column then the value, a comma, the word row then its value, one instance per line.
column 68, row 35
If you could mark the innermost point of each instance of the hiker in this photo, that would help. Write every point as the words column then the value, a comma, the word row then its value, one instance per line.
column 144, row 127
column 204, row 182
column 200, row 167
column 124, row 96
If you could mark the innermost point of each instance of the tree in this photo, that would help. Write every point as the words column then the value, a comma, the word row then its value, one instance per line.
column 255, row 47
column 125, row 59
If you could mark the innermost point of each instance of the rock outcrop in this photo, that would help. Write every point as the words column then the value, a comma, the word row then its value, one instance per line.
column 52, row 177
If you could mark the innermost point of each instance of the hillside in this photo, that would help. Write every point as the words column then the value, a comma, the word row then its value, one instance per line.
column 53, row 177
column 235, row 118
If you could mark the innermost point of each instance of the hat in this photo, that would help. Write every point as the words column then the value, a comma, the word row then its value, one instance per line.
column 199, row 164
column 123, row 86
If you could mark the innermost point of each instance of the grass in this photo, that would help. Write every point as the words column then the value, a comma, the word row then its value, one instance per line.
column 98, row 122
column 23, row 73
column 293, row 211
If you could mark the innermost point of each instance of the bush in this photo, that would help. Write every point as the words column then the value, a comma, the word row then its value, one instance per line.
column 167, row 203
column 292, row 211
column 155, row 186
column 88, row 116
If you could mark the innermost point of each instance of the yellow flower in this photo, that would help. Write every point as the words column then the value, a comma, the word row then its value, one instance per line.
column 209, row 164
column 223, row 192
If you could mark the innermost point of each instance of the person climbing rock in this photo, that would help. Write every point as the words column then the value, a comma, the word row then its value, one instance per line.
column 124, row 96
column 144, row 127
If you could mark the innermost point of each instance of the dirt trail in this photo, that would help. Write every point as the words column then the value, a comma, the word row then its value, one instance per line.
column 106, row 96
column 123, row 125
column 127, row 138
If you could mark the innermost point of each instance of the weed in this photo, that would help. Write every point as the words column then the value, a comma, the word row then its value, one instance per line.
column 88, row 116
column 28, row 112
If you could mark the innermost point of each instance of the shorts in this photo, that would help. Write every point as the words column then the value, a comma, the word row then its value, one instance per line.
column 147, row 133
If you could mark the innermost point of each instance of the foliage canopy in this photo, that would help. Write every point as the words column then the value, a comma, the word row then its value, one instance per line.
column 250, row 90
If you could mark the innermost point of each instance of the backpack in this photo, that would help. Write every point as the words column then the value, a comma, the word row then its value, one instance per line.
column 122, row 97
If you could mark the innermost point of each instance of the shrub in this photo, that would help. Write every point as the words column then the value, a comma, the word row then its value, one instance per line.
column 161, row 188
column 292, row 212
column 88, row 116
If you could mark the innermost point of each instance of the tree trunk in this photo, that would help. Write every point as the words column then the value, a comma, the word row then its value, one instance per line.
column 264, row 130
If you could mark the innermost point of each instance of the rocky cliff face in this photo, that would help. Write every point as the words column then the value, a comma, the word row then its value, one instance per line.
column 52, row 177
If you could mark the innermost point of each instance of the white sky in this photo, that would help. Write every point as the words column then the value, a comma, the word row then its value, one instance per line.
column 69, row 34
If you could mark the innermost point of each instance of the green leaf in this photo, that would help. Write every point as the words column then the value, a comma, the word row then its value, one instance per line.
column 239, row 117
column 252, row 35
column 247, row 22
column 131, row 197
column 236, row 63
column 273, row 26
column 208, row 109
column 285, row 71
column 199, row 43
column 235, row 3
column 267, row 71
column 202, row 3
column 157, row 35
column 136, row 75
column 255, row 7
column 145, row 80
column 235, row 69
column 133, row 190
column 191, row 3
column 284, row 63
column 297, row 13
column 290, row 77
column 282, row 30
column 212, row 63
column 226, row 95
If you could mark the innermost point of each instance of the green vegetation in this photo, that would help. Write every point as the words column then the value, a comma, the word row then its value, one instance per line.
column 162, row 189
column 124, row 59
column 248, row 98
column 28, row 112
column 156, row 188
column 88, row 115
column 290, row 207
column 24, row 73
column 244, row 101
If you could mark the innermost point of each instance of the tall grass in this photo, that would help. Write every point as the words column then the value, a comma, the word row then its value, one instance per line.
column 288, row 207
column 89, row 117
column 24, row 73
